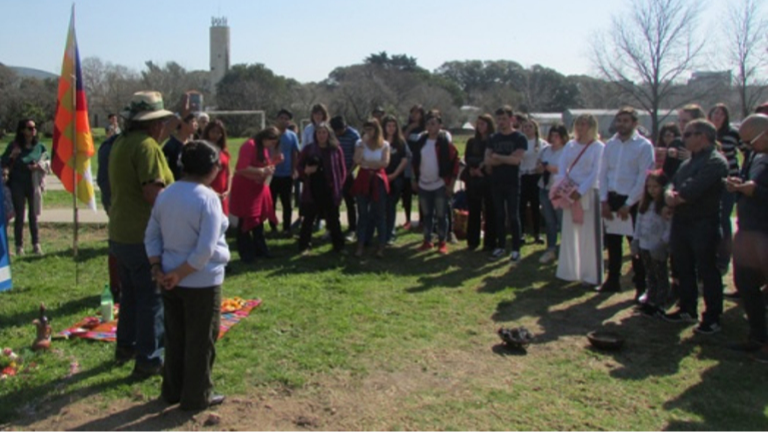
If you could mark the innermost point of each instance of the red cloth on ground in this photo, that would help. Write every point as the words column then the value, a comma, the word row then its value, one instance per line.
column 251, row 200
column 219, row 184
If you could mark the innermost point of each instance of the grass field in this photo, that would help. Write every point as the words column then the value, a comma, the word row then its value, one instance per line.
column 407, row 342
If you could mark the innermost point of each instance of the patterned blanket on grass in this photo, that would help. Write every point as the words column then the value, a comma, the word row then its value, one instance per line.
column 92, row 328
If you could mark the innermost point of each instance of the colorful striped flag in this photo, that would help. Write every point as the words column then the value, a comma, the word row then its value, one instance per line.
column 72, row 140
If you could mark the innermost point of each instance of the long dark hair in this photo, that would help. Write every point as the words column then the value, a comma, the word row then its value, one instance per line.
column 20, row 127
column 397, row 141
column 222, row 143
column 667, row 127
column 659, row 177
column 488, row 120
column 726, row 122
column 264, row 134
column 422, row 119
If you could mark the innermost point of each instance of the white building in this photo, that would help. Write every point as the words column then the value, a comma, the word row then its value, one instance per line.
column 219, row 50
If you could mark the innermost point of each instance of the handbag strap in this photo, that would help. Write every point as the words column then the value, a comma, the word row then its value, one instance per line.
column 581, row 153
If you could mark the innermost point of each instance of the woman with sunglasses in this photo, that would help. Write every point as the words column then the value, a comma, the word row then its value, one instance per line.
column 26, row 160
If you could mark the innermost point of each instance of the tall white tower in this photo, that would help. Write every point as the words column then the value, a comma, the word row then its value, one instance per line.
column 219, row 50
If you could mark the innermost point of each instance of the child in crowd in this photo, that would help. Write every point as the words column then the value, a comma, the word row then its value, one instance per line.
column 651, row 242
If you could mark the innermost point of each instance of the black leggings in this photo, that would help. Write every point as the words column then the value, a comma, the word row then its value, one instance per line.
column 21, row 194
column 529, row 193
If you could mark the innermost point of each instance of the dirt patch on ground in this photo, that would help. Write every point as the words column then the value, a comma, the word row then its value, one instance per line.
column 340, row 401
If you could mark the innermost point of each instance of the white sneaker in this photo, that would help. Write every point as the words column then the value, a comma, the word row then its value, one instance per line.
column 548, row 256
column 514, row 258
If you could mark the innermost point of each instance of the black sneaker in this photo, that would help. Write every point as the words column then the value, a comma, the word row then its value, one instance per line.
column 124, row 354
column 609, row 287
column 141, row 372
column 679, row 317
column 707, row 328
column 649, row 311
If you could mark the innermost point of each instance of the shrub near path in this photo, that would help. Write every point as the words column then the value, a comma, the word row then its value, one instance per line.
column 407, row 342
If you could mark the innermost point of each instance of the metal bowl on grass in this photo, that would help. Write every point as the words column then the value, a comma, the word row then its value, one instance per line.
column 605, row 340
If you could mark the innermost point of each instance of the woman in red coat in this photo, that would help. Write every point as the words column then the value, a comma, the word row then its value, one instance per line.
column 251, row 200
column 216, row 134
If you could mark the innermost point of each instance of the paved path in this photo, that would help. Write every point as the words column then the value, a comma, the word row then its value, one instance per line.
column 87, row 216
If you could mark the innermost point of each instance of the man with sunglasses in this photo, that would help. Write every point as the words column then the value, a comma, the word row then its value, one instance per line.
column 750, row 251
column 695, row 197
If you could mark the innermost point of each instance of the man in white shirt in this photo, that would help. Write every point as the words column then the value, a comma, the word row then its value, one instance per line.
column 627, row 158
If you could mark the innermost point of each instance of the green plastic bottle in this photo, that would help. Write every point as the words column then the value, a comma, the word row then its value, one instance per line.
column 107, row 304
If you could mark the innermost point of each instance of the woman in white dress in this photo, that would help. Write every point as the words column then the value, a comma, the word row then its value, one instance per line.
column 581, row 257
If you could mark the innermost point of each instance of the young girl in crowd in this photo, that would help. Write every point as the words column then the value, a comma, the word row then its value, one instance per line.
column 549, row 158
column 650, row 242
column 371, row 186
column 399, row 160
column 476, row 179
column 251, row 198
column 529, row 178
column 216, row 134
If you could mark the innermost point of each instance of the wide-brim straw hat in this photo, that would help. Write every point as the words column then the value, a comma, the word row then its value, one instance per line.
column 144, row 106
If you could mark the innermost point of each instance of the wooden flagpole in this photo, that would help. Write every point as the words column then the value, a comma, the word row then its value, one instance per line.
column 74, row 134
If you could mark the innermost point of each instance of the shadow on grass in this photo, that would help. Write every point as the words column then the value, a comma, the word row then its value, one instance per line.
column 735, row 381
column 84, row 254
column 431, row 269
column 153, row 415
column 69, row 308
column 52, row 397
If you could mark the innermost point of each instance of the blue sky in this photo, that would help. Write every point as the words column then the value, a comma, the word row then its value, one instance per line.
column 305, row 40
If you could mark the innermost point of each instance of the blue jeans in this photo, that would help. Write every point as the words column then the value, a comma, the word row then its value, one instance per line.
column 372, row 213
column 434, row 204
column 140, row 326
column 725, row 249
column 552, row 217
column 506, row 201
column 395, row 191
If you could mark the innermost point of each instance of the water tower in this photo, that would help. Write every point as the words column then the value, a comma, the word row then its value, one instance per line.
column 219, row 50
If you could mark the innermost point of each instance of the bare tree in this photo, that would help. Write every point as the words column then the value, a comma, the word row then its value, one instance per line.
column 746, row 46
column 647, row 51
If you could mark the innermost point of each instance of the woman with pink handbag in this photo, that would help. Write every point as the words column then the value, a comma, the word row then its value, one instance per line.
column 576, row 192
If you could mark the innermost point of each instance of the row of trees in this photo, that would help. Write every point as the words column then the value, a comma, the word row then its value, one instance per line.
column 643, row 57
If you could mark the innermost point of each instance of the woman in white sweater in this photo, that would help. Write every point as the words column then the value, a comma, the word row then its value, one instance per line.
column 187, row 250
column 581, row 248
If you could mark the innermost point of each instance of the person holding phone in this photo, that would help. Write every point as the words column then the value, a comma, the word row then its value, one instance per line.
column 25, row 159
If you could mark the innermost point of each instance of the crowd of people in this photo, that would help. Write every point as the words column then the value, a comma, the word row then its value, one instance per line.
column 670, row 196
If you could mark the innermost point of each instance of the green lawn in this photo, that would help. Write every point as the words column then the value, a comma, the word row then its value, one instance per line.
column 407, row 342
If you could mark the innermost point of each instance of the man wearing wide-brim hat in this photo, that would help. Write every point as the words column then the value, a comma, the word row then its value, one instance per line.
column 138, row 172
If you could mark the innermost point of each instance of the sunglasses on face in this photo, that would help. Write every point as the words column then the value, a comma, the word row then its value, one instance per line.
column 31, row 128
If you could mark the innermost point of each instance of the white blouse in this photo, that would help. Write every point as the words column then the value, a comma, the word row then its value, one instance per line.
column 587, row 171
